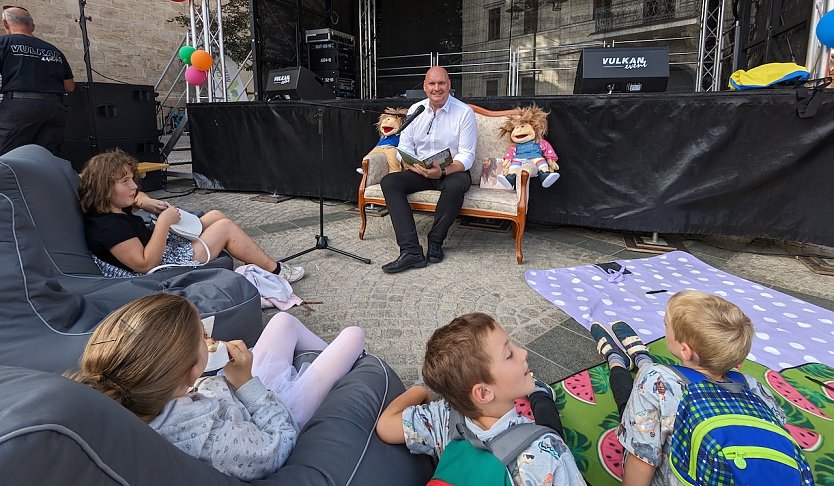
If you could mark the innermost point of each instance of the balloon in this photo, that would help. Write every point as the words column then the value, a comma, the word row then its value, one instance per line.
column 201, row 59
column 825, row 29
column 185, row 54
column 194, row 76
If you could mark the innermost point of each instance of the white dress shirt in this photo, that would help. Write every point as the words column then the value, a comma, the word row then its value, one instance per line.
column 453, row 126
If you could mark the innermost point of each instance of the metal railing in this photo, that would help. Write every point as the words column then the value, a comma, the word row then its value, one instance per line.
column 639, row 13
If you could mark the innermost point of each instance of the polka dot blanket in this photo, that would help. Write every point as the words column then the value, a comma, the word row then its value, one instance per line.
column 789, row 331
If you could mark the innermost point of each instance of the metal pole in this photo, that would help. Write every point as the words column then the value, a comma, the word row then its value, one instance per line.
column 193, row 16
column 85, row 40
column 221, row 43
column 207, row 46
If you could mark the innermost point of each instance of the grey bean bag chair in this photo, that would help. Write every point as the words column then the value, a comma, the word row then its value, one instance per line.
column 56, row 431
column 54, row 294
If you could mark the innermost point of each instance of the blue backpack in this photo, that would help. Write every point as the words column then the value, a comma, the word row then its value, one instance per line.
column 725, row 434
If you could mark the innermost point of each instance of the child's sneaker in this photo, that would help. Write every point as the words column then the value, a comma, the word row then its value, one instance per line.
column 502, row 179
column 550, row 179
column 291, row 274
column 631, row 342
column 606, row 346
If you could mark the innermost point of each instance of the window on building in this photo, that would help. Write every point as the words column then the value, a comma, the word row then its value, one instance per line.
column 531, row 16
column 494, row 26
column 658, row 9
column 602, row 9
column 492, row 87
column 528, row 86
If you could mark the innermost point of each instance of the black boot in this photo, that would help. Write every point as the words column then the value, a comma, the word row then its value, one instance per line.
column 404, row 262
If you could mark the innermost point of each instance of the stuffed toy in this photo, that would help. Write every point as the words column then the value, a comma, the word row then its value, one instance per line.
column 528, row 149
column 388, row 127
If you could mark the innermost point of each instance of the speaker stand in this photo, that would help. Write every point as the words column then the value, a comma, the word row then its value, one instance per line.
column 321, row 239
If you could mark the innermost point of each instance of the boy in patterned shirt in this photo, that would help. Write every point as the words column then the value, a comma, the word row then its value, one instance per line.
column 706, row 333
column 472, row 363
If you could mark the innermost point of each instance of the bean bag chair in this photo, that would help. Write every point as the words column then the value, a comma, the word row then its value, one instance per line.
column 56, row 431
column 54, row 294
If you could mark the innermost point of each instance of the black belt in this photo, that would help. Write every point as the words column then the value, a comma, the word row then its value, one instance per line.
column 30, row 95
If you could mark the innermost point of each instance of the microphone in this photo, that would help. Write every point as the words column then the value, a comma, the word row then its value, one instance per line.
column 410, row 118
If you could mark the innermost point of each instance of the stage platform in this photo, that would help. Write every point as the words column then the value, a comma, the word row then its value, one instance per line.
column 703, row 163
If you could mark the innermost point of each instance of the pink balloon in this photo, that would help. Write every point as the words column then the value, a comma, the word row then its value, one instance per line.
column 194, row 76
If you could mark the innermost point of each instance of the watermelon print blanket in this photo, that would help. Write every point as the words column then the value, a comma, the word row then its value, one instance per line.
column 590, row 418
column 789, row 331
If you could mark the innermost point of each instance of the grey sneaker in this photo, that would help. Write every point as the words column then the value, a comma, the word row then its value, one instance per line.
column 291, row 274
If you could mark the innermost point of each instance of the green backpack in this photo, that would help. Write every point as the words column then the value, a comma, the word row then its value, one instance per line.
column 466, row 460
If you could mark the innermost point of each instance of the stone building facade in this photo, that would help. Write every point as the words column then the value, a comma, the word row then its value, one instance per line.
column 129, row 41
column 549, row 35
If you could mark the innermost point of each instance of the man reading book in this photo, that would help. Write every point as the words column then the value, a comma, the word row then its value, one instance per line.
column 445, row 123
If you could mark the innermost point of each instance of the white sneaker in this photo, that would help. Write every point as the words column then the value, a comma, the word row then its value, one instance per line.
column 504, row 182
column 291, row 274
column 359, row 171
column 550, row 179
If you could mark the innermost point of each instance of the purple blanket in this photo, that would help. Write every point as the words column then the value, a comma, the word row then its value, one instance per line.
column 789, row 331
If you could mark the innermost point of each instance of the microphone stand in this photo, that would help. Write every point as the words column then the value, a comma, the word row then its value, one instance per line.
column 321, row 239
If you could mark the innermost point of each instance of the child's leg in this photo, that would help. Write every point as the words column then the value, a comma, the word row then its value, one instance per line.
column 545, row 411
column 277, row 344
column 332, row 364
column 621, row 384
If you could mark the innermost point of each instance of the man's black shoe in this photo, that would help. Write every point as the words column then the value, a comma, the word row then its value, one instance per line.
column 435, row 253
column 404, row 262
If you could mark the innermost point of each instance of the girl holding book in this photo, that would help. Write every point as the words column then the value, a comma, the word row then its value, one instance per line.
column 123, row 246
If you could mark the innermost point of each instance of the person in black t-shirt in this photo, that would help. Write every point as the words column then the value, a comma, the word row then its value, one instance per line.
column 35, row 77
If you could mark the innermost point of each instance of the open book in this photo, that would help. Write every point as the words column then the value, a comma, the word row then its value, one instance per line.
column 442, row 158
column 189, row 226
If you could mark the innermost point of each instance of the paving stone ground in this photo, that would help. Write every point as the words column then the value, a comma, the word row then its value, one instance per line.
column 399, row 312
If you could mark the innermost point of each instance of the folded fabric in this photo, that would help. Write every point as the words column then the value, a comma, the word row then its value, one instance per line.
column 767, row 75
column 275, row 291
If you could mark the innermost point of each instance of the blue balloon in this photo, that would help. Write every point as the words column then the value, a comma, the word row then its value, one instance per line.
column 825, row 29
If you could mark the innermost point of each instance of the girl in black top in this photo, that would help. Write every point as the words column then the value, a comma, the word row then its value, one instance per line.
column 109, row 192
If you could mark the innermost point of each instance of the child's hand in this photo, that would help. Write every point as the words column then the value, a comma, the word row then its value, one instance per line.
column 154, row 206
column 239, row 369
column 553, row 165
column 169, row 216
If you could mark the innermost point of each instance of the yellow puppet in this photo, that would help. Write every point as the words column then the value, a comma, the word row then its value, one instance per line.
column 528, row 150
column 388, row 127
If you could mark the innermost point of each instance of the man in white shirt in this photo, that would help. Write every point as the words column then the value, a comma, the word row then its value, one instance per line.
column 445, row 123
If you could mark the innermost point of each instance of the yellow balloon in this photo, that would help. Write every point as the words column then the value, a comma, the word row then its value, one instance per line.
column 201, row 60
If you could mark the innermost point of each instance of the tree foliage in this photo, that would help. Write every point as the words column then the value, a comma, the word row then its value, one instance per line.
column 236, row 23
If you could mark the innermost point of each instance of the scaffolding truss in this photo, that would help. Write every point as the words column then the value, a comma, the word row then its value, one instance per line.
column 710, row 46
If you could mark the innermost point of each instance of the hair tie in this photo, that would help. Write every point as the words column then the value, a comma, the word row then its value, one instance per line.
column 124, row 392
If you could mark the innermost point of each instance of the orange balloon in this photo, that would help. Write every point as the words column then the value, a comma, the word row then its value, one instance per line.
column 201, row 60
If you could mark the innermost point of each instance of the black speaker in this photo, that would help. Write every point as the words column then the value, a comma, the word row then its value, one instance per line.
column 622, row 70
column 297, row 83
column 123, row 115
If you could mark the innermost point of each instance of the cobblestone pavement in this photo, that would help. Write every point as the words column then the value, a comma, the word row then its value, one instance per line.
column 399, row 312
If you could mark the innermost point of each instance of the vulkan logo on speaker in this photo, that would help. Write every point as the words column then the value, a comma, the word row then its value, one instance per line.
column 281, row 79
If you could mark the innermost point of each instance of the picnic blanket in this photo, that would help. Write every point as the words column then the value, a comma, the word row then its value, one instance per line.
column 590, row 418
column 789, row 331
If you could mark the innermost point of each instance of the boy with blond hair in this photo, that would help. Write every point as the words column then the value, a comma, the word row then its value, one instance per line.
column 711, row 336
column 479, row 372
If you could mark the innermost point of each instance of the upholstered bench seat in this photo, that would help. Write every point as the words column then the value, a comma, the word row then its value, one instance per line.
column 478, row 202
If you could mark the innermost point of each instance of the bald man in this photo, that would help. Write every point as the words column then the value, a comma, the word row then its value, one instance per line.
column 35, row 77
column 445, row 123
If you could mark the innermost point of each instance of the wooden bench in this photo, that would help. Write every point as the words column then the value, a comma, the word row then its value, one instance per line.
column 479, row 202
column 145, row 168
